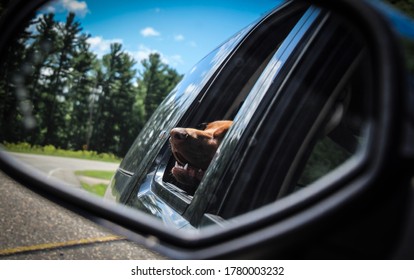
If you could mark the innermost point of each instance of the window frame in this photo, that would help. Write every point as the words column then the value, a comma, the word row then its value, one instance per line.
column 262, row 183
column 213, row 188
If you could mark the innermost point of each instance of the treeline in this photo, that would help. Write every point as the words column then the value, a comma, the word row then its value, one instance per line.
column 55, row 91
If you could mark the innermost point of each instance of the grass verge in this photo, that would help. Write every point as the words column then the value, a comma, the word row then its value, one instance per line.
column 50, row 150
column 99, row 174
column 98, row 189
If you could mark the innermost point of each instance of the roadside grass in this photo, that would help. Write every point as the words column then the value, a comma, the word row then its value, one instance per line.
column 98, row 189
column 105, row 175
column 50, row 150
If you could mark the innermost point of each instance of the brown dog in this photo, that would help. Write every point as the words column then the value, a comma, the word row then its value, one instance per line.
column 194, row 149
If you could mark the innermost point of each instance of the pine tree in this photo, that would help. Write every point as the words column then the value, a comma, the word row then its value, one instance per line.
column 81, row 96
column 115, row 110
column 78, row 100
column 40, row 52
column 12, row 107
column 66, row 43
column 157, row 80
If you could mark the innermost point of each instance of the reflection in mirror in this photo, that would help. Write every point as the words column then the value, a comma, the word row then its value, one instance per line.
column 79, row 84
column 81, row 88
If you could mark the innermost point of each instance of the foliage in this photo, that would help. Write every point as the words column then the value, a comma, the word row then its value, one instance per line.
column 157, row 80
column 98, row 189
column 95, row 188
column 24, row 147
column 100, row 174
column 57, row 94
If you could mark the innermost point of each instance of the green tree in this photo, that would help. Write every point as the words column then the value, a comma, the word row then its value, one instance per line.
column 40, row 50
column 77, row 100
column 81, row 96
column 124, row 106
column 12, row 72
column 66, row 43
column 115, row 104
column 156, row 81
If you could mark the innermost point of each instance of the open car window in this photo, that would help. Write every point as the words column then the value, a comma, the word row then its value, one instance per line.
column 220, row 100
column 240, row 80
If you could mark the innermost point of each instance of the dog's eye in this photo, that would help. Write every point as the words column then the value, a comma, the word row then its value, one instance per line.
column 202, row 126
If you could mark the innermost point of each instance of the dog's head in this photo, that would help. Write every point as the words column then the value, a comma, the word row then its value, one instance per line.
column 194, row 149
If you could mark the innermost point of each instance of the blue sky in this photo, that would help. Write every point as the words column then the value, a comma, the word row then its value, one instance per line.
column 182, row 31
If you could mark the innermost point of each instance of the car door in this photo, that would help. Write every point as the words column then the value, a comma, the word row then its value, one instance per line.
column 311, row 122
column 216, row 186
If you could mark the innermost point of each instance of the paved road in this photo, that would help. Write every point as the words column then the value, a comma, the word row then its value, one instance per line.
column 34, row 228
column 63, row 168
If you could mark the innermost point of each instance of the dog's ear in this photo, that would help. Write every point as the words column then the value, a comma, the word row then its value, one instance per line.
column 220, row 132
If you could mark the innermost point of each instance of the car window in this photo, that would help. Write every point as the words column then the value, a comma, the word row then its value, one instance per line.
column 312, row 121
column 232, row 89
column 343, row 134
column 220, row 99
column 213, row 185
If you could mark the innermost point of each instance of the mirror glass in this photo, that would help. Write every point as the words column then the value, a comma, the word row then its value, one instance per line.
column 192, row 112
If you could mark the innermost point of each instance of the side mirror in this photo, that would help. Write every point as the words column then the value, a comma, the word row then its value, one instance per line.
column 316, row 161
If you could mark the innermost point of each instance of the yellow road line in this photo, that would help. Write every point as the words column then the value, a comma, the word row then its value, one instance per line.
column 48, row 246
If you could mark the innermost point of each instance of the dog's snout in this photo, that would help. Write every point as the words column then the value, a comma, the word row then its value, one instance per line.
column 179, row 134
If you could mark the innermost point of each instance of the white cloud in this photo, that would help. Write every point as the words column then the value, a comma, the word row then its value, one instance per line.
column 179, row 37
column 150, row 32
column 78, row 7
column 143, row 52
column 176, row 60
column 193, row 44
column 101, row 46
column 50, row 9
